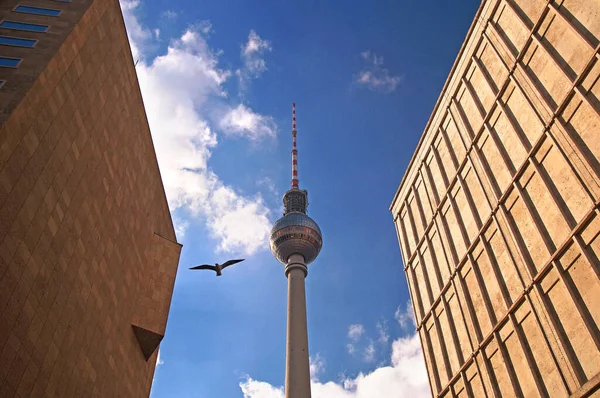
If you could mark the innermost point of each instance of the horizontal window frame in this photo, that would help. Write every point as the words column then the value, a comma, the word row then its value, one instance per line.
column 35, row 41
column 24, row 23
column 11, row 67
column 16, row 9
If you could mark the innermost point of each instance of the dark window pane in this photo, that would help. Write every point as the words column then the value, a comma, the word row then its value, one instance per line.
column 38, row 11
column 23, row 26
column 14, row 41
column 9, row 62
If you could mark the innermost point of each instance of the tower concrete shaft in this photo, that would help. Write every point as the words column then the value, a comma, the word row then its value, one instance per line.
column 297, row 367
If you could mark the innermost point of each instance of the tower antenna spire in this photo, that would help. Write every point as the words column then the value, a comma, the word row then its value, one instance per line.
column 294, row 150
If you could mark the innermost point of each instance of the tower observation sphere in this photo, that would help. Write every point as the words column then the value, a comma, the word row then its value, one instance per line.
column 296, row 241
column 296, row 233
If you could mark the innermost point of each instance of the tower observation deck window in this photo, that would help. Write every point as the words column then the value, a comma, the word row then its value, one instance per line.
column 28, row 27
column 38, row 11
column 6, row 62
column 17, row 42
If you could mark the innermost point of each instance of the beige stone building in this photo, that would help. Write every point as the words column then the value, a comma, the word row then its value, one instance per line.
column 498, row 212
column 88, row 253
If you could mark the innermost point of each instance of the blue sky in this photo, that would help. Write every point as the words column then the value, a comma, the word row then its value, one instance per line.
column 218, row 79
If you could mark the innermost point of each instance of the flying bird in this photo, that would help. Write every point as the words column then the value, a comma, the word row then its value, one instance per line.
column 217, row 267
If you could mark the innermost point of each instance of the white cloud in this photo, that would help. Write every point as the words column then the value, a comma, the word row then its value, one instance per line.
column 252, row 54
column 138, row 35
column 242, row 121
column 404, row 377
column 405, row 347
column 355, row 331
column 260, row 389
column 374, row 76
column 355, row 334
column 159, row 360
column 406, row 317
column 384, row 334
column 317, row 366
column 255, row 45
column 181, row 225
column 369, row 353
column 179, row 88
column 351, row 348
column 238, row 222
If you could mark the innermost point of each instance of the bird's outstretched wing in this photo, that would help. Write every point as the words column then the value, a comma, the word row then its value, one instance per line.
column 205, row 266
column 230, row 262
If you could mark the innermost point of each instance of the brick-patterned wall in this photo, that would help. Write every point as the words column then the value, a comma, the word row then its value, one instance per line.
column 34, row 60
column 154, row 298
column 498, row 215
column 81, row 206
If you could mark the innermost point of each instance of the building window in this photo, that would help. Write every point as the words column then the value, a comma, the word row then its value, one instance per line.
column 38, row 11
column 6, row 62
column 63, row 1
column 29, row 27
column 18, row 42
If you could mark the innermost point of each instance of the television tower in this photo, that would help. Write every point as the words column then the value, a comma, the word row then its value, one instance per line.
column 295, row 242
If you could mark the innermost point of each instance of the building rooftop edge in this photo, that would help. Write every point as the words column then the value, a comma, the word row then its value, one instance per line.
column 438, row 102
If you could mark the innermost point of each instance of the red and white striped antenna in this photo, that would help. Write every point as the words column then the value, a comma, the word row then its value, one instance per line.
column 294, row 149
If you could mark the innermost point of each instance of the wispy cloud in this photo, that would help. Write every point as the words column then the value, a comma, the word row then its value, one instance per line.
column 360, row 341
column 355, row 331
column 179, row 87
column 181, row 225
column 351, row 348
column 159, row 360
column 252, row 54
column 317, row 366
column 405, row 317
column 384, row 333
column 269, row 185
column 404, row 376
column 169, row 14
column 374, row 76
column 369, row 353
column 242, row 121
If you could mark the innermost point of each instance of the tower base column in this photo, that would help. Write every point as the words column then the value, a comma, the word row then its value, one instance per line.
column 297, row 369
